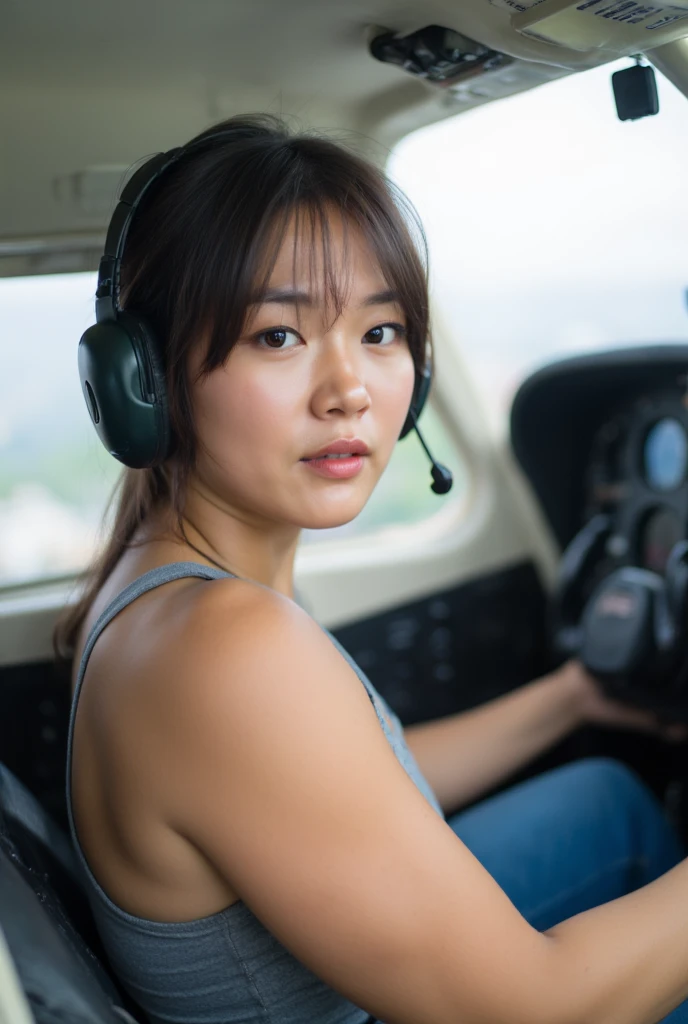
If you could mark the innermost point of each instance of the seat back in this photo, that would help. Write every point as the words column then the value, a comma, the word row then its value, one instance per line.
column 13, row 1004
column 46, row 920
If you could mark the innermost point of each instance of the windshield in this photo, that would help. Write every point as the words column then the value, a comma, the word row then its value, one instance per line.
column 554, row 228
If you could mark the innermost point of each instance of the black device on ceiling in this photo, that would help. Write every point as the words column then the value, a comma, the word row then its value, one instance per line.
column 439, row 55
column 635, row 92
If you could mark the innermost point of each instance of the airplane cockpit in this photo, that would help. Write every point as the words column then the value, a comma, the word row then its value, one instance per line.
column 565, row 536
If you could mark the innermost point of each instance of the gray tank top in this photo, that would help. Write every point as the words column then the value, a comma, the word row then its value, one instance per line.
column 226, row 968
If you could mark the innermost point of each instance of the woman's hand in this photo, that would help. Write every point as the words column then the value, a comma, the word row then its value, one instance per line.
column 465, row 755
column 598, row 709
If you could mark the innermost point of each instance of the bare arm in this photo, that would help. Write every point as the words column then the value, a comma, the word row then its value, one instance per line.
column 629, row 955
column 282, row 777
column 464, row 755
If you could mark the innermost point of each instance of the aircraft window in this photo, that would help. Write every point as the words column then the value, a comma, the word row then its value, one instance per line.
column 55, row 476
column 554, row 228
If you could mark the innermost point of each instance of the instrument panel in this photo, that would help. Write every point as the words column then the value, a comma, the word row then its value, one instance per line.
column 637, row 473
column 603, row 440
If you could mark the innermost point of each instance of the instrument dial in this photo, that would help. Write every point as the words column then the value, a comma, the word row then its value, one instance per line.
column 665, row 455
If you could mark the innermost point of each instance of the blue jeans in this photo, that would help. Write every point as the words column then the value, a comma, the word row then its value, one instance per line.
column 571, row 839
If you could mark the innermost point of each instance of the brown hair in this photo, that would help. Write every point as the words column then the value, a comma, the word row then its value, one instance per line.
column 195, row 260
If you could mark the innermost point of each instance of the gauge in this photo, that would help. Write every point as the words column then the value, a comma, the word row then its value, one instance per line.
column 662, row 530
column 665, row 455
column 606, row 485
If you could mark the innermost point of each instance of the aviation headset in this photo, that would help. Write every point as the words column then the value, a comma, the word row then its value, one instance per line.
column 120, row 360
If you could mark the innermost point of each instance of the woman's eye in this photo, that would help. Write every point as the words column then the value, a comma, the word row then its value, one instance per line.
column 385, row 334
column 276, row 337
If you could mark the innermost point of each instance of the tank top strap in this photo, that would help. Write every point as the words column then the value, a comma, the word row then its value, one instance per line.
column 149, row 581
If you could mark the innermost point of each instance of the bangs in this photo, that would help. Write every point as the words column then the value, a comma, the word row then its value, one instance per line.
column 321, row 270
column 374, row 210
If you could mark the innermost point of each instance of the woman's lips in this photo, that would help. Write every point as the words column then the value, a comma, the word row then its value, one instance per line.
column 336, row 469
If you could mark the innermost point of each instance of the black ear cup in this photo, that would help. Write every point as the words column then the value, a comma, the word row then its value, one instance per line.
column 123, row 381
column 152, row 359
column 421, row 391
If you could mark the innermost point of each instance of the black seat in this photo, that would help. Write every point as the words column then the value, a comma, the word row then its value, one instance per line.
column 46, row 920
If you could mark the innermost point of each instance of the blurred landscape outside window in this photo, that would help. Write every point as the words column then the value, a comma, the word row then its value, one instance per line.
column 555, row 229
column 56, row 477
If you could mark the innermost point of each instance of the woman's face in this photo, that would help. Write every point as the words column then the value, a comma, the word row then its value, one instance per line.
column 298, row 379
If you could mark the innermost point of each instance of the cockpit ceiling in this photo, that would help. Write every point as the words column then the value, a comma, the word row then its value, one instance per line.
column 239, row 44
column 86, row 85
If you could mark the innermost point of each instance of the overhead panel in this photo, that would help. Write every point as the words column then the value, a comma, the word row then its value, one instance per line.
column 613, row 28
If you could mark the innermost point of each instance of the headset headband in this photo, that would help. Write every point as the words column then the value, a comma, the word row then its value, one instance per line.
column 107, row 290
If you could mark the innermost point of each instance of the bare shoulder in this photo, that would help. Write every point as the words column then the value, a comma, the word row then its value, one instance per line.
column 228, row 610
column 217, row 617
column 240, row 641
column 194, row 643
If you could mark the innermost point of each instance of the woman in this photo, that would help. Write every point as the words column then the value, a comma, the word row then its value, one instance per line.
column 258, row 840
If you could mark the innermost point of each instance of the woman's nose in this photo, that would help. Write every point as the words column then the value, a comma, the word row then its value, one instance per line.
column 340, row 384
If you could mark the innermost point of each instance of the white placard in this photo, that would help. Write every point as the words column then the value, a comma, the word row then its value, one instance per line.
column 616, row 26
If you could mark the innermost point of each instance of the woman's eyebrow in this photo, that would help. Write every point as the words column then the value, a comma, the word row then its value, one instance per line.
column 286, row 296
column 383, row 298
